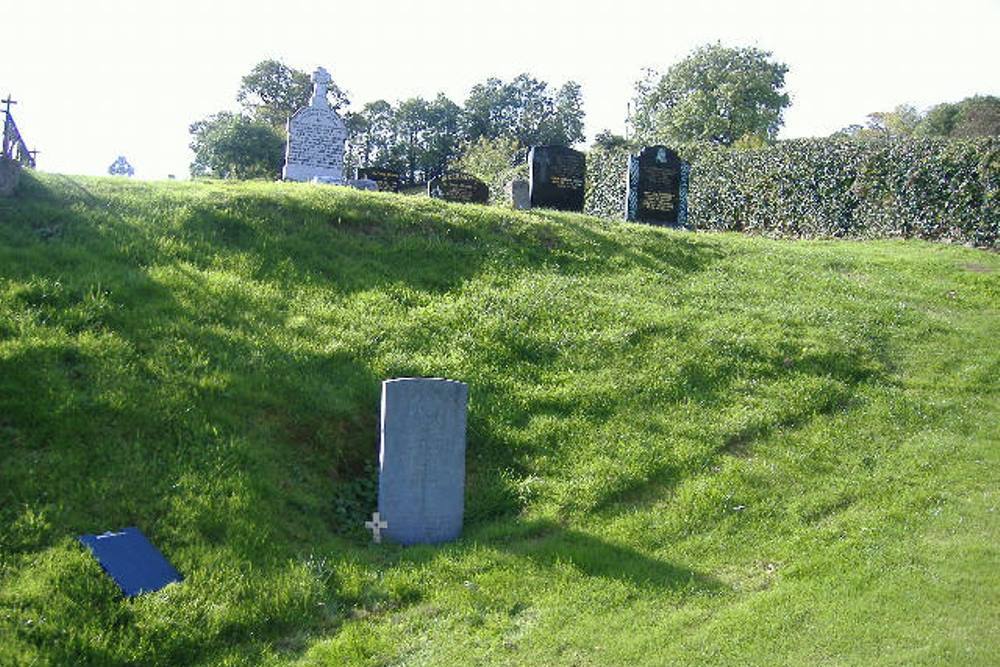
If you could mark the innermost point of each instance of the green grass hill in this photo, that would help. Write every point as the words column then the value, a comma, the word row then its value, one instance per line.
column 683, row 448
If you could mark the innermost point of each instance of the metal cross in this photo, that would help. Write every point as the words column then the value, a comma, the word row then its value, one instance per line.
column 376, row 525
column 8, row 102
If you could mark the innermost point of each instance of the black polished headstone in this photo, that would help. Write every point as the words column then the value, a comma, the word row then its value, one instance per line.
column 556, row 175
column 387, row 179
column 657, row 187
column 458, row 187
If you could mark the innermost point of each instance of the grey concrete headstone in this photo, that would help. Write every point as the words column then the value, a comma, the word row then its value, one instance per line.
column 518, row 193
column 10, row 174
column 421, row 482
column 316, row 136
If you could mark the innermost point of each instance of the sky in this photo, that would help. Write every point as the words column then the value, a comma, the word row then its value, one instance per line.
column 100, row 78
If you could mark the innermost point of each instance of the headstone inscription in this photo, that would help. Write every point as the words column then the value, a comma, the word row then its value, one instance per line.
column 316, row 136
column 387, row 179
column 518, row 194
column 421, row 482
column 657, row 187
column 556, row 175
column 458, row 187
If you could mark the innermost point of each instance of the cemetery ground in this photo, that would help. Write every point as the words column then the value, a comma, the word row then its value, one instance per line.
column 683, row 448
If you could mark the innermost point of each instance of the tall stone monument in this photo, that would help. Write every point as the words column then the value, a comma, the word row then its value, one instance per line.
column 316, row 136
column 421, row 480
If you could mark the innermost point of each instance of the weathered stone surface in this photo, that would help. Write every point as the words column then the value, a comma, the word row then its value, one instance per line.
column 556, row 176
column 10, row 175
column 421, row 491
column 518, row 194
column 458, row 187
column 387, row 179
column 657, row 187
column 316, row 136
column 363, row 184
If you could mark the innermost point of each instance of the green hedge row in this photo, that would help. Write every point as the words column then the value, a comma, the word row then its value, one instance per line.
column 932, row 189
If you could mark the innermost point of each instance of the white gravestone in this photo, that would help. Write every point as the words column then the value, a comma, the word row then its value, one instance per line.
column 421, row 490
column 316, row 136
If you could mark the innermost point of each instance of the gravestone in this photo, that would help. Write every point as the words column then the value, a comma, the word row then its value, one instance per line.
column 10, row 175
column 131, row 561
column 556, row 175
column 657, row 187
column 458, row 187
column 316, row 136
column 363, row 184
column 421, row 481
column 518, row 195
column 387, row 179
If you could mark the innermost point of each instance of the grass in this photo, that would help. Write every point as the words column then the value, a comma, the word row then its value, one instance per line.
column 683, row 448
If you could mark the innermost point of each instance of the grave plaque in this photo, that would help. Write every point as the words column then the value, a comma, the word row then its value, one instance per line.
column 131, row 561
column 657, row 187
column 421, row 481
column 555, row 176
column 316, row 136
column 458, row 187
column 518, row 195
column 386, row 179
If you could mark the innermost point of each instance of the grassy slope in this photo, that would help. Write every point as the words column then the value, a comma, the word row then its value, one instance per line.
column 703, row 449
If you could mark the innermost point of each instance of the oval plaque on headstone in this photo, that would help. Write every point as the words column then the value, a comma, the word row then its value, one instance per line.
column 421, row 481
column 556, row 175
column 458, row 187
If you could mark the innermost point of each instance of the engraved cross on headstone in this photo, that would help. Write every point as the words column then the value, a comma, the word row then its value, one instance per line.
column 376, row 525
column 321, row 81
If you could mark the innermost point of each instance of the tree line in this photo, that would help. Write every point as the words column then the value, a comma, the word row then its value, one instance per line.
column 717, row 95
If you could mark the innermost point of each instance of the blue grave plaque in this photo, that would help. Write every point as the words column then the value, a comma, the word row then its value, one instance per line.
column 421, row 482
column 131, row 561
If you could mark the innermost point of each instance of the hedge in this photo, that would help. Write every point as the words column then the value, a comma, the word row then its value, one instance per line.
column 935, row 189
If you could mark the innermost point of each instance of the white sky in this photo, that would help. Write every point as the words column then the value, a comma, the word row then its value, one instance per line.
column 99, row 78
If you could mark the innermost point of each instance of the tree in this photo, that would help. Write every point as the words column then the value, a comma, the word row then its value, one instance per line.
column 609, row 141
column 273, row 91
column 251, row 144
column 977, row 116
column 716, row 94
column 228, row 145
column 524, row 109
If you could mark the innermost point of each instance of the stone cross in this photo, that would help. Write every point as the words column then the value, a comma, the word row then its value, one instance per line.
column 321, row 81
column 376, row 525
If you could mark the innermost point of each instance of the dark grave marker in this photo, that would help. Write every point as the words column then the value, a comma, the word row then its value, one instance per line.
column 657, row 187
column 555, row 176
column 387, row 179
column 458, row 187
column 131, row 561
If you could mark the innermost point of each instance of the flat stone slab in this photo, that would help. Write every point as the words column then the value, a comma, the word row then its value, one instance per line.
column 131, row 561
column 421, row 490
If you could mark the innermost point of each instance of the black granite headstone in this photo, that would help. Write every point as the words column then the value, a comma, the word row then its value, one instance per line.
column 555, row 176
column 458, row 187
column 657, row 187
column 387, row 179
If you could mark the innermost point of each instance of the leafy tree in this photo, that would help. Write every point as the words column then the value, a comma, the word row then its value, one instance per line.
column 716, row 94
column 372, row 136
column 273, row 91
column 441, row 136
column 524, row 109
column 977, row 116
column 228, row 145
column 609, row 141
